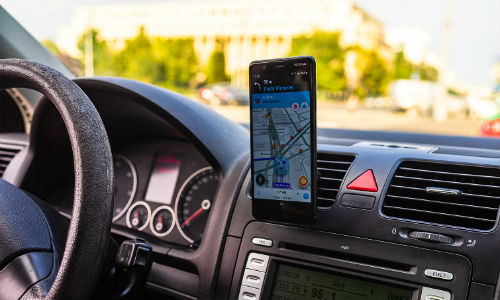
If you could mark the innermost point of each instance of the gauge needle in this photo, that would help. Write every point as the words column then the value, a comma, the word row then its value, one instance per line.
column 193, row 216
column 205, row 205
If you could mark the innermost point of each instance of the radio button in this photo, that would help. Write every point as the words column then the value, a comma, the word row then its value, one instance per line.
column 438, row 274
column 249, row 293
column 257, row 261
column 262, row 242
column 434, row 294
column 253, row 278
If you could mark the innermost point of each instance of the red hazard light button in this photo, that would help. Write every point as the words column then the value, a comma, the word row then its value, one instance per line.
column 364, row 182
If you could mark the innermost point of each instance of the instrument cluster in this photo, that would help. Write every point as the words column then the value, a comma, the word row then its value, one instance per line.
column 163, row 190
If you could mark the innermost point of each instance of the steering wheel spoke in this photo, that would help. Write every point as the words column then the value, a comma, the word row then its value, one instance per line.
column 23, row 272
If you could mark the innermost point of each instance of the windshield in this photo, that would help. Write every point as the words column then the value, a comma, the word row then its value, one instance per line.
column 417, row 66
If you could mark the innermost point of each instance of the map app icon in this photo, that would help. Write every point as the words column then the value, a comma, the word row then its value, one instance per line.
column 303, row 181
column 260, row 179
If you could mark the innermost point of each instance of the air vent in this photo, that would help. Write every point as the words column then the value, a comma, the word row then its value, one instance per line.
column 466, row 196
column 332, row 169
column 7, row 153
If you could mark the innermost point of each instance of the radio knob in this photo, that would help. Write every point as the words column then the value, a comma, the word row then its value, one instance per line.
column 431, row 237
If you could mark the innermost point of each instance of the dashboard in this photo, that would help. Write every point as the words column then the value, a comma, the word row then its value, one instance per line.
column 428, row 231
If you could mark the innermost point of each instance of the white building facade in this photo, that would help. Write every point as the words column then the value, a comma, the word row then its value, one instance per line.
column 248, row 30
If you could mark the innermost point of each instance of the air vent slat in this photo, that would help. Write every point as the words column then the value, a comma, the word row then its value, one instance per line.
column 330, row 179
column 327, row 189
column 334, row 162
column 447, row 182
column 7, row 153
column 449, row 173
column 441, row 214
column 332, row 169
column 444, row 203
column 465, row 196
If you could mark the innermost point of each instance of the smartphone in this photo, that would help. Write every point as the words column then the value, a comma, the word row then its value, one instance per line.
column 283, row 139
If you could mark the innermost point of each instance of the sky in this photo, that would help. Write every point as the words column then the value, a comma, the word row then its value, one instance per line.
column 474, row 41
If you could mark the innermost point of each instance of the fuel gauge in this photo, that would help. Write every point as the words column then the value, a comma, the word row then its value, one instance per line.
column 138, row 215
column 162, row 221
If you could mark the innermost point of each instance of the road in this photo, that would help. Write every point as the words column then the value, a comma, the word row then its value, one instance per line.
column 337, row 115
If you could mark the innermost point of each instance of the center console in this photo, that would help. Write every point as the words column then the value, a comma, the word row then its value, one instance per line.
column 271, row 264
column 436, row 247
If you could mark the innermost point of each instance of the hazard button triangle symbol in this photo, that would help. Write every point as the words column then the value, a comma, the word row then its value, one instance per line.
column 364, row 182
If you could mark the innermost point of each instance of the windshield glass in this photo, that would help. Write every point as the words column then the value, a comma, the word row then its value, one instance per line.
column 418, row 66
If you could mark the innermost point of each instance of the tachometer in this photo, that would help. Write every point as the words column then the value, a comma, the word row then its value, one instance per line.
column 193, row 203
column 125, row 185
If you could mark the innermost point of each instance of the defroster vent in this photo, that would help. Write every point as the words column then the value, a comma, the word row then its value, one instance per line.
column 465, row 196
column 332, row 169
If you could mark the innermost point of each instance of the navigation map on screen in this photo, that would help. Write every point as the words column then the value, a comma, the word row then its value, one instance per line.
column 281, row 144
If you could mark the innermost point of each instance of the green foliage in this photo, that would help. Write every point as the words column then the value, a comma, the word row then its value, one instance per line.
column 374, row 74
column 51, row 46
column 179, row 60
column 329, row 55
column 428, row 73
column 165, row 62
column 101, row 52
column 216, row 68
column 173, row 62
column 136, row 60
column 403, row 68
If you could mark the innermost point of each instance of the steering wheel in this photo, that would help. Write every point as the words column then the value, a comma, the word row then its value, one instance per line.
column 31, row 266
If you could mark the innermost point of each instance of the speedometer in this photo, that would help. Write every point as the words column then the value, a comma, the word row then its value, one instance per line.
column 193, row 203
column 125, row 185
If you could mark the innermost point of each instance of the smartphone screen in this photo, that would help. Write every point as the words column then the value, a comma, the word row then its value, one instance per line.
column 283, row 138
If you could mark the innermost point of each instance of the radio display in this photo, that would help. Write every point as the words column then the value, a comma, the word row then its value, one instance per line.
column 293, row 283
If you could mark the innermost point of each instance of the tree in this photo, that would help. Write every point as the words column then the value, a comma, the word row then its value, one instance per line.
column 428, row 73
column 403, row 68
column 374, row 74
column 216, row 68
column 136, row 60
column 329, row 55
column 179, row 60
column 101, row 53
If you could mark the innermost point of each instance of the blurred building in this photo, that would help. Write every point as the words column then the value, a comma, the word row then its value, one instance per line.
column 414, row 42
column 247, row 29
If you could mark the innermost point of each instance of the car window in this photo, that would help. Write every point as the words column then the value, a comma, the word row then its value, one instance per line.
column 414, row 66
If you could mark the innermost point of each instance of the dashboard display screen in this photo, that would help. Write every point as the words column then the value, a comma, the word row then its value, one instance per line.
column 281, row 133
column 293, row 283
column 163, row 179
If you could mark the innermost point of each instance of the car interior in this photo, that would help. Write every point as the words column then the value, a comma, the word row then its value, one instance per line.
column 85, row 211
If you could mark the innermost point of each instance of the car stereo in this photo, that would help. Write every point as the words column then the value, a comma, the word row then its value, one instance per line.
column 332, row 266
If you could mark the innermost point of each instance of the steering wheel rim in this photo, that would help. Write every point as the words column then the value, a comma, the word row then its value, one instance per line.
column 90, row 224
